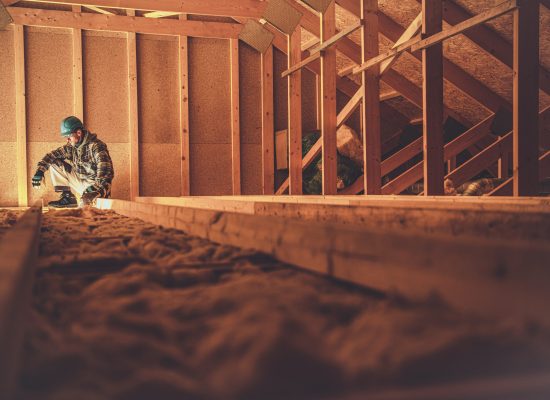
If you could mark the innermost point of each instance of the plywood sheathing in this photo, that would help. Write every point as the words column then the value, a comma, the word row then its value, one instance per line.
column 250, row 101
column 105, row 87
column 159, row 169
column 7, row 87
column 49, row 86
column 209, row 116
column 121, row 161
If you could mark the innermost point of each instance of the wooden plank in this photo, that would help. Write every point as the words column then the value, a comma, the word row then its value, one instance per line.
column 160, row 14
column 298, row 66
column 507, row 187
column 268, row 123
column 20, row 115
column 334, row 39
column 235, row 118
column 368, row 256
column 18, row 254
column 328, row 109
column 133, row 119
column 78, row 94
column 349, row 108
column 371, row 103
column 432, row 94
column 97, row 9
column 294, row 115
column 526, row 98
column 409, row 33
column 241, row 8
column 100, row 22
column 183, row 61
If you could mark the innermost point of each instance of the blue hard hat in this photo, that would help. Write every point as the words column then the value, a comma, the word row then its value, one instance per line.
column 70, row 125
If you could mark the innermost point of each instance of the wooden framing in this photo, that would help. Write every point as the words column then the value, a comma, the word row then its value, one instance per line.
column 78, row 94
column 268, row 124
column 409, row 33
column 18, row 254
column 371, row 103
column 526, row 98
column 295, row 115
column 133, row 112
column 20, row 115
column 183, row 74
column 65, row 19
column 241, row 8
column 235, row 118
column 432, row 94
column 328, row 107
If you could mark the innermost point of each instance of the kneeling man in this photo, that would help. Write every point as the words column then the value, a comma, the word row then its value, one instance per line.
column 83, row 165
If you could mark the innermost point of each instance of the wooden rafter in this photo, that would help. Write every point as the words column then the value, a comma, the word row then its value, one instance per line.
column 241, row 8
column 64, row 19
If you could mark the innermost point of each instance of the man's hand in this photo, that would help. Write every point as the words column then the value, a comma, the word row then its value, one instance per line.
column 37, row 178
column 89, row 196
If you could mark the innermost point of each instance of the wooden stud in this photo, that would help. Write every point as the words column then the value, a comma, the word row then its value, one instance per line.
column 328, row 91
column 78, row 96
column 268, row 124
column 526, row 98
column 371, row 99
column 295, row 115
column 235, row 117
column 20, row 114
column 184, row 111
column 432, row 72
column 133, row 112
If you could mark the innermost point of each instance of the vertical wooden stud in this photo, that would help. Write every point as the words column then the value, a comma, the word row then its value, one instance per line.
column 78, row 102
column 268, row 154
column 20, row 115
column 235, row 118
column 328, row 96
column 319, row 101
column 295, row 114
column 432, row 74
column 133, row 112
column 370, row 110
column 184, row 111
column 526, row 98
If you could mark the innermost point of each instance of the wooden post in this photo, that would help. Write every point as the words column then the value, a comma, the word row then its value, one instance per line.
column 268, row 161
column 526, row 98
column 371, row 98
column 133, row 112
column 328, row 97
column 235, row 117
column 184, row 111
column 20, row 114
column 78, row 104
column 432, row 72
column 295, row 114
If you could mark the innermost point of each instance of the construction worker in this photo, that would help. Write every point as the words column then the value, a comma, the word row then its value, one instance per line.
column 83, row 165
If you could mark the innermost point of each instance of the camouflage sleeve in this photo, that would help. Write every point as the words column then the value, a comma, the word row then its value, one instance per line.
column 61, row 153
column 105, row 171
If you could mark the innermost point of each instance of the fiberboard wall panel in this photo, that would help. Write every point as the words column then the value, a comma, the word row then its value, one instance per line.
column 209, row 117
column 158, row 103
column 7, row 87
column 8, row 177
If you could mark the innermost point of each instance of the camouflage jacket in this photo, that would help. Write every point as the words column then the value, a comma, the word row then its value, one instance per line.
column 90, row 159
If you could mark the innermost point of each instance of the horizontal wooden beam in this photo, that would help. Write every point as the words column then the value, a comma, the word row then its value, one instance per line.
column 334, row 39
column 98, row 10
column 18, row 254
column 368, row 256
column 99, row 22
column 241, row 8
column 301, row 64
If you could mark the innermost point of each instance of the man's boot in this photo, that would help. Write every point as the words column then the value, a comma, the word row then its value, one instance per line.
column 67, row 199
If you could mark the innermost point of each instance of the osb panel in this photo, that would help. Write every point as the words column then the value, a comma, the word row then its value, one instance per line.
column 160, row 171
column 158, row 90
column 35, row 152
column 120, row 154
column 105, row 76
column 210, row 169
column 49, row 89
column 251, row 169
column 8, row 177
column 7, row 87
column 250, row 94
column 280, row 91
column 209, row 91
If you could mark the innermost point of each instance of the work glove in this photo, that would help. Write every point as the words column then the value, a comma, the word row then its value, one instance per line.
column 37, row 178
column 89, row 196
